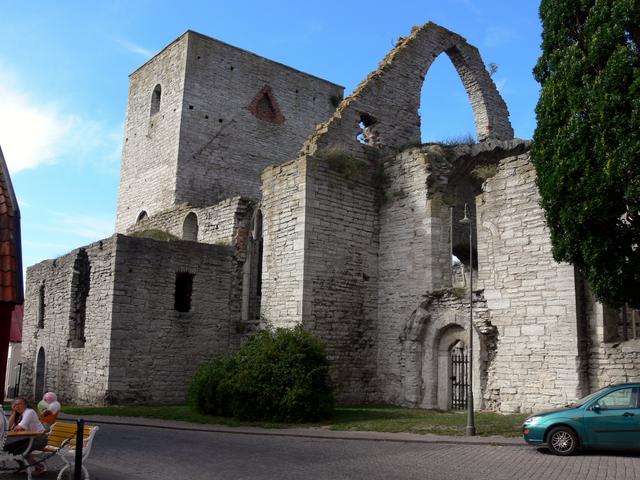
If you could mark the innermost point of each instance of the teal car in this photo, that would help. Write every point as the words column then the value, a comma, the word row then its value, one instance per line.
column 608, row 418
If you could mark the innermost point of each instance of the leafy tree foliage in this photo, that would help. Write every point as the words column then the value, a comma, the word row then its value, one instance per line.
column 586, row 146
column 279, row 375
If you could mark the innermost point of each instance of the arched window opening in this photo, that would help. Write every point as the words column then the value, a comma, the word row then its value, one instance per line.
column 190, row 228
column 142, row 216
column 446, row 115
column 156, row 96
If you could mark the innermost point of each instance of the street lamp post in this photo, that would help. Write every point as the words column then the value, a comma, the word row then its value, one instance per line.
column 471, row 426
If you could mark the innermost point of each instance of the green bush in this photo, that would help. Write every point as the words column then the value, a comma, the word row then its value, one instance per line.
column 211, row 385
column 279, row 375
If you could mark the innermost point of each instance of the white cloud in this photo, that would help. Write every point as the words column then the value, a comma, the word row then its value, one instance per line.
column 30, row 134
column 34, row 133
column 91, row 227
column 132, row 47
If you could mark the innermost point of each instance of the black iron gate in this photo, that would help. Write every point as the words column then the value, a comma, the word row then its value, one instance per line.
column 459, row 379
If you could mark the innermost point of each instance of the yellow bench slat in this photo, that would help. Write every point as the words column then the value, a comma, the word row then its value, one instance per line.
column 62, row 431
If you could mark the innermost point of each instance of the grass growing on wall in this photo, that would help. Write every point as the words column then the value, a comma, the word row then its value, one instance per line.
column 155, row 234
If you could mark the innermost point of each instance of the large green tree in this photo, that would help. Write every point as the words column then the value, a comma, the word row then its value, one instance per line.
column 586, row 147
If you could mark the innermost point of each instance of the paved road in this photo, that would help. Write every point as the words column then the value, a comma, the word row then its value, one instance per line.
column 135, row 453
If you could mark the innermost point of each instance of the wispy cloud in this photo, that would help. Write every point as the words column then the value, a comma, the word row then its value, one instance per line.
column 502, row 86
column 89, row 227
column 34, row 133
column 498, row 37
column 132, row 47
column 30, row 134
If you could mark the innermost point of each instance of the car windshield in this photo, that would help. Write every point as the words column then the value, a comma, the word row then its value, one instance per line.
column 588, row 398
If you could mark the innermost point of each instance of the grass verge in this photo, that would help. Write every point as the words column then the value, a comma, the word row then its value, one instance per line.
column 362, row 418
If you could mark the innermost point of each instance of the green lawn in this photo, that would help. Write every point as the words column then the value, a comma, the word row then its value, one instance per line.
column 364, row 418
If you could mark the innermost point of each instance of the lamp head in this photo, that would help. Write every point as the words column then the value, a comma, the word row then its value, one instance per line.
column 466, row 218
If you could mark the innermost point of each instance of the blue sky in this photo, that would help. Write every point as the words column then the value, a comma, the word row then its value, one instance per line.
column 64, row 69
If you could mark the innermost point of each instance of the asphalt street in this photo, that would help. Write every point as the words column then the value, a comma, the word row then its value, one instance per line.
column 141, row 452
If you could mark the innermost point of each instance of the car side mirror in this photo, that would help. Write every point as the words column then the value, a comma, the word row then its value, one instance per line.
column 596, row 407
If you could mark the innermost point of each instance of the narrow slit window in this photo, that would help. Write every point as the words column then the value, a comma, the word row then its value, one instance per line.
column 41, row 306
column 184, row 288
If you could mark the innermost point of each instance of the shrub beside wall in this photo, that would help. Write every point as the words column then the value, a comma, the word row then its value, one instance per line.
column 279, row 375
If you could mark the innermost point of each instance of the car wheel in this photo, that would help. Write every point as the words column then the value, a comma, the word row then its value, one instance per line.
column 562, row 441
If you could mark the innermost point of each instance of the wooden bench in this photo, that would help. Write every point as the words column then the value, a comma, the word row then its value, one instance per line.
column 62, row 442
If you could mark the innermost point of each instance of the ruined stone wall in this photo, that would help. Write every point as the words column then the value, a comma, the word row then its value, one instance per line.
column 283, row 212
column 155, row 349
column 242, row 113
column 609, row 356
column 151, row 141
column 414, row 255
column 340, row 270
column 427, row 337
column 532, row 298
column 387, row 101
column 320, row 266
column 217, row 224
column 225, row 114
column 77, row 371
column 614, row 362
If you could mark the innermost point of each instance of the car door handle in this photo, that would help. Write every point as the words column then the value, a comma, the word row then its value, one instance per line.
column 628, row 414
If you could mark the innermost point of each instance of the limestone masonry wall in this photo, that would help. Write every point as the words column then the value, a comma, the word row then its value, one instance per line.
column 414, row 257
column 610, row 357
column 387, row 101
column 225, row 144
column 217, row 224
column 283, row 212
column 354, row 239
column 155, row 349
column 77, row 374
column 340, row 270
column 225, row 114
column 532, row 298
column 151, row 141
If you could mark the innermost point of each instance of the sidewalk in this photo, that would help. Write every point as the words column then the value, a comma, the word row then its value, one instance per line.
column 301, row 432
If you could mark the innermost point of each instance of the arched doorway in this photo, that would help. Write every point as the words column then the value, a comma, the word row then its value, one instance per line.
column 40, row 373
column 451, row 373
column 459, row 378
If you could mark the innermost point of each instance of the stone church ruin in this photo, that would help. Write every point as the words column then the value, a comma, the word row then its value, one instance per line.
column 251, row 195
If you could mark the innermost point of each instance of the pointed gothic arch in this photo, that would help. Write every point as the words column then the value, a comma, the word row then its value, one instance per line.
column 391, row 95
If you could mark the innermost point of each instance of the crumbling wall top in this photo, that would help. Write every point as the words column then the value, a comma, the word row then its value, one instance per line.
column 383, row 110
